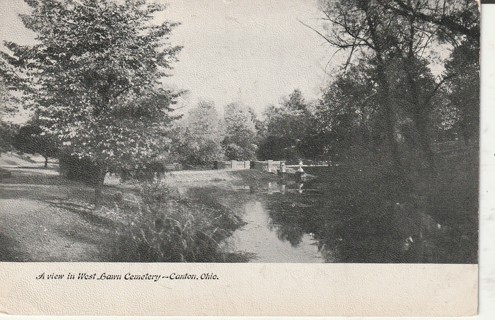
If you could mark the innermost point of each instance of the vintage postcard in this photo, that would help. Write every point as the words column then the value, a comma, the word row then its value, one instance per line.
column 235, row 157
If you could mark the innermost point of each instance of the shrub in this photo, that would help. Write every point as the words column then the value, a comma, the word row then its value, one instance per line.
column 7, row 131
column 142, row 172
column 78, row 169
column 168, row 228
column 32, row 139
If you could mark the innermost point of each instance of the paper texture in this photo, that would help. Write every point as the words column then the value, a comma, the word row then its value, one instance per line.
column 244, row 290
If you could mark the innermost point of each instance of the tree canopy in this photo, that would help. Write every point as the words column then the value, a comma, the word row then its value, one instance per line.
column 32, row 139
column 392, row 48
column 240, row 132
column 286, row 126
column 198, row 136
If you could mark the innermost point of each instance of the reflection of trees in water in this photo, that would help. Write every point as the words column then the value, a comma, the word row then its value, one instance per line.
column 290, row 230
column 364, row 226
column 292, row 233
column 288, row 218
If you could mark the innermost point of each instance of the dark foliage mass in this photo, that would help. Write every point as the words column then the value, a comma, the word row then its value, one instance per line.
column 8, row 132
column 32, row 139
column 78, row 169
column 371, row 216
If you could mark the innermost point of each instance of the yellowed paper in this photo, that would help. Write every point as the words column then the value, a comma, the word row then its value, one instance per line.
column 242, row 290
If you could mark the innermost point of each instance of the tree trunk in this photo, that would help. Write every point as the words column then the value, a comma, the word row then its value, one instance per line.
column 385, row 92
column 46, row 162
column 390, row 124
column 421, row 108
column 420, row 118
column 422, row 129
column 100, row 179
column 389, row 114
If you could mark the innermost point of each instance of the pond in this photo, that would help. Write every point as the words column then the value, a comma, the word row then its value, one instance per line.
column 355, row 217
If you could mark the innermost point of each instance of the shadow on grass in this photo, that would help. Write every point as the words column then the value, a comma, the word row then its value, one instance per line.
column 27, row 176
column 9, row 250
column 31, row 192
column 85, row 212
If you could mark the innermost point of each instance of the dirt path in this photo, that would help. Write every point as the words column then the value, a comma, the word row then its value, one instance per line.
column 44, row 217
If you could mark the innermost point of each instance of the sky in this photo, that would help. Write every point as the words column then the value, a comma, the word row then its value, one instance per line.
column 252, row 51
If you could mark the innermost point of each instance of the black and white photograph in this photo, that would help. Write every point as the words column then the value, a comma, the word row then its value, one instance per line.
column 236, row 131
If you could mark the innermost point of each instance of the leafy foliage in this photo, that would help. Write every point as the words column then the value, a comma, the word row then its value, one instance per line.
column 31, row 139
column 94, row 77
column 78, row 169
column 240, row 132
column 198, row 137
column 286, row 126
column 348, row 112
column 8, row 132
column 387, row 91
column 464, row 88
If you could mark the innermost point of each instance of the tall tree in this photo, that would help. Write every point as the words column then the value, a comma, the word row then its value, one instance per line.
column 361, row 26
column 398, row 39
column 286, row 126
column 32, row 139
column 8, row 130
column 426, row 24
column 240, row 132
column 94, row 76
column 198, row 136
column 463, row 71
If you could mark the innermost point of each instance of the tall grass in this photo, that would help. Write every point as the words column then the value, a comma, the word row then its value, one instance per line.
column 165, row 227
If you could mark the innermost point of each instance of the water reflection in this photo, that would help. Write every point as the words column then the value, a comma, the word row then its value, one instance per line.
column 299, row 187
column 352, row 233
column 264, row 243
column 321, row 220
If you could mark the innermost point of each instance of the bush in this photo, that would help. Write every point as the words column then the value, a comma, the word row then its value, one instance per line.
column 31, row 139
column 168, row 228
column 143, row 172
column 7, row 133
column 85, row 170
column 78, row 169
